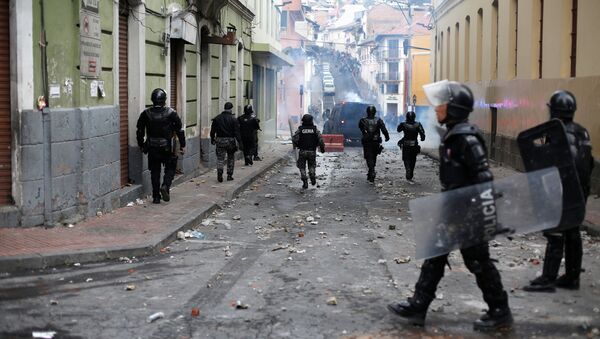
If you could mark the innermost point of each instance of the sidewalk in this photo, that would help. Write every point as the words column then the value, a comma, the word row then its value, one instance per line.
column 591, row 224
column 130, row 231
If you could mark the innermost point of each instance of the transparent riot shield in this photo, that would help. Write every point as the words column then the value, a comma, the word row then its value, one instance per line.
column 472, row 215
column 547, row 145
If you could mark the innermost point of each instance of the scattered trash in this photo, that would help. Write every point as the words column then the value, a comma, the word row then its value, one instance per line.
column 191, row 234
column 236, row 217
column 310, row 219
column 98, row 214
column 206, row 222
column 280, row 247
column 165, row 249
column 139, row 201
column 534, row 261
column 270, row 196
column 241, row 306
column 195, row 311
column 43, row 335
column 130, row 287
column 53, row 302
column 338, row 219
column 596, row 310
column 402, row 260
column 155, row 316
column 77, row 264
column 332, row 301
column 89, row 280
column 382, row 261
column 300, row 234
column 130, row 204
column 392, row 227
column 70, row 225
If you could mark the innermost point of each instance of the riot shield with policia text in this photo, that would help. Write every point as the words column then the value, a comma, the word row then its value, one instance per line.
column 476, row 214
column 547, row 145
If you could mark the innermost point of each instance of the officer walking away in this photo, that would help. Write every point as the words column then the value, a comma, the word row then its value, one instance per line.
column 307, row 138
column 225, row 133
column 158, row 124
column 409, row 144
column 371, row 128
column 255, row 155
column 562, row 106
column 248, row 128
column 463, row 162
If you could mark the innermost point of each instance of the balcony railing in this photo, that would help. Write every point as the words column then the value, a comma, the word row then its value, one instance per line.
column 384, row 77
column 391, row 54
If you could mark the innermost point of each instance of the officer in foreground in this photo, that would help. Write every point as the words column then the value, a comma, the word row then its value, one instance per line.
column 562, row 105
column 409, row 144
column 248, row 130
column 463, row 162
column 225, row 134
column 158, row 124
column 307, row 138
column 371, row 128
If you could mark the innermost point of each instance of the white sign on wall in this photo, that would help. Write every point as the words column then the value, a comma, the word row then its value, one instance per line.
column 90, row 44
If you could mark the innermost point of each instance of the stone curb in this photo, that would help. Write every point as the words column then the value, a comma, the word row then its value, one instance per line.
column 152, row 246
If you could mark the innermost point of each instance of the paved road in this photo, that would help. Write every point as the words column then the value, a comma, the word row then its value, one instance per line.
column 286, row 268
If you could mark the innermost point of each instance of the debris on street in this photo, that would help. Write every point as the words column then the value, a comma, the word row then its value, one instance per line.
column 130, row 287
column 195, row 311
column 43, row 335
column 155, row 316
column 241, row 306
column 402, row 260
column 332, row 301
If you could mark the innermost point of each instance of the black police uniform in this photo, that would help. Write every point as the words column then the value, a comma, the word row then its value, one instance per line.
column 307, row 138
column 410, row 146
column 248, row 128
column 224, row 133
column 562, row 106
column 463, row 162
column 159, row 124
column 371, row 129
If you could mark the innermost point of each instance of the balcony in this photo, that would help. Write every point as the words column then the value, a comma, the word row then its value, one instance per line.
column 390, row 54
column 389, row 77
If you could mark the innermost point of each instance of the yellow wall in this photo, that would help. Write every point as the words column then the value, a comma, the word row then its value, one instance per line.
column 517, row 91
column 420, row 67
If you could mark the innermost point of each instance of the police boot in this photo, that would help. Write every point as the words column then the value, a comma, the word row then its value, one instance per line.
column 304, row 183
column 257, row 158
column 229, row 177
column 568, row 282
column 414, row 309
column 313, row 180
column 156, row 200
column 220, row 175
column 497, row 317
column 164, row 193
column 540, row 284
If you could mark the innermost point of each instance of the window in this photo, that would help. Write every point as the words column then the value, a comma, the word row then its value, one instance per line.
column 284, row 20
column 574, row 38
column 514, row 34
column 467, row 46
column 495, row 39
column 393, row 50
column 456, row 51
column 441, row 48
column 541, row 41
column 392, row 89
column 479, row 44
column 448, row 53
column 435, row 59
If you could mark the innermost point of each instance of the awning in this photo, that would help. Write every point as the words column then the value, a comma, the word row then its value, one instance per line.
column 271, row 54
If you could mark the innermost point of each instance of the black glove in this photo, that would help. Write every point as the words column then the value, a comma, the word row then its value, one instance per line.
column 423, row 139
column 322, row 150
column 212, row 141
column 144, row 149
column 387, row 139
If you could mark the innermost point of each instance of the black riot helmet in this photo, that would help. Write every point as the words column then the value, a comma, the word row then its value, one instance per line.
column 410, row 116
column 371, row 111
column 228, row 106
column 562, row 105
column 458, row 97
column 248, row 109
column 307, row 120
column 159, row 97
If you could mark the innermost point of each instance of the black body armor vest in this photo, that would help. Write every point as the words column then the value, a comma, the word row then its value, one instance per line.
column 308, row 138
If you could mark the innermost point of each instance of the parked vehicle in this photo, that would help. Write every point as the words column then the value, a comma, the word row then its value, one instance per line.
column 344, row 120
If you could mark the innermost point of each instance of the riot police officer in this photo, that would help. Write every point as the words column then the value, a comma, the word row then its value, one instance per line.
column 463, row 162
column 371, row 128
column 562, row 105
column 225, row 134
column 158, row 124
column 307, row 138
column 409, row 144
column 248, row 128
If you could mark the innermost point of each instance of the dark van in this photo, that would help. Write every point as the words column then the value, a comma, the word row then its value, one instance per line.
column 344, row 120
